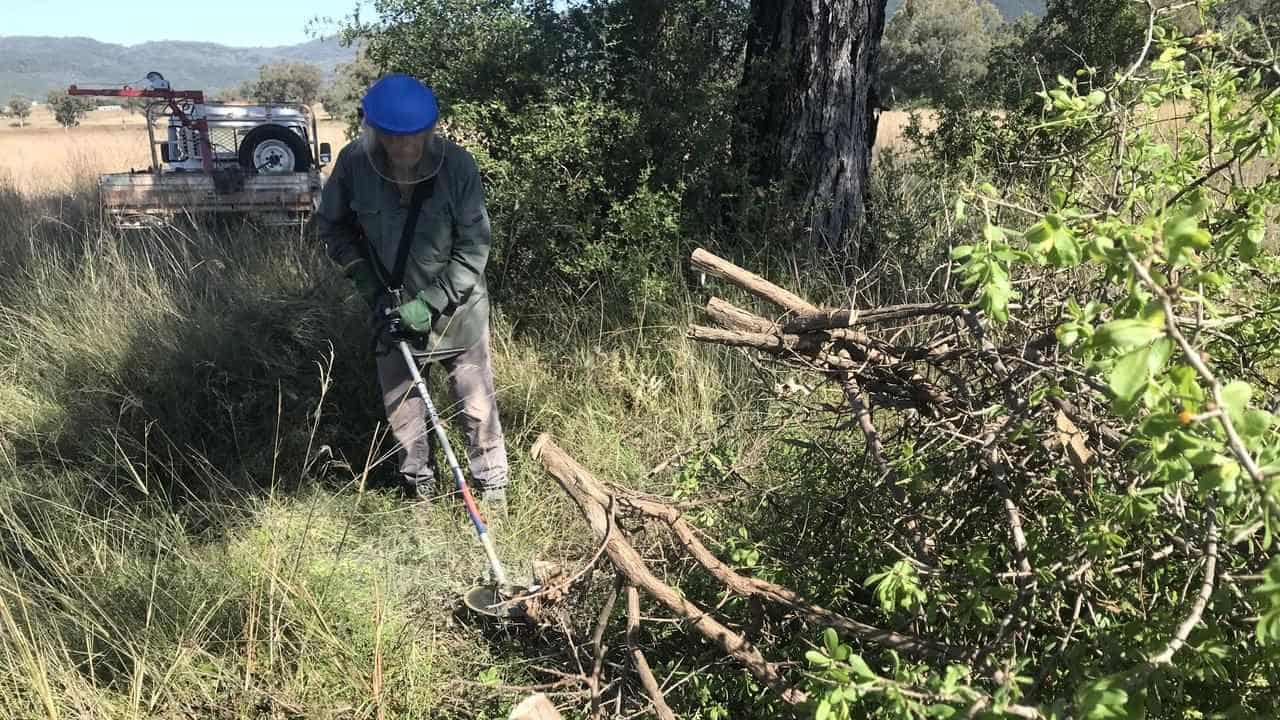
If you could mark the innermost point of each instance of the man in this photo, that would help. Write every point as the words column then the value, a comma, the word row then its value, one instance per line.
column 397, row 164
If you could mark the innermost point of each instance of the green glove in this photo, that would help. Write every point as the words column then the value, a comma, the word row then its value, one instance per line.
column 416, row 315
column 362, row 276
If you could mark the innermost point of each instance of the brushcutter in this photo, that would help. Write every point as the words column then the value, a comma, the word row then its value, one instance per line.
column 498, row 599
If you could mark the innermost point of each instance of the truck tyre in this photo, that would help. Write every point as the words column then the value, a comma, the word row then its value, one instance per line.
column 274, row 149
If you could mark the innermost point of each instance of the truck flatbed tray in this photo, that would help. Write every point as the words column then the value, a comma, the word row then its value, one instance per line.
column 139, row 199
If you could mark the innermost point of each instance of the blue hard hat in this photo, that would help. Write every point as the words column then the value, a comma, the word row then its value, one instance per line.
column 399, row 104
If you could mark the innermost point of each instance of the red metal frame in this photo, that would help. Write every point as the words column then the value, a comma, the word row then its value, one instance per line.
column 171, row 98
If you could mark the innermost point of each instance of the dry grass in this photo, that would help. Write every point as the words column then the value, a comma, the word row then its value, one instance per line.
column 893, row 122
column 47, row 160
column 1172, row 124
column 245, row 574
column 42, row 119
column 43, row 158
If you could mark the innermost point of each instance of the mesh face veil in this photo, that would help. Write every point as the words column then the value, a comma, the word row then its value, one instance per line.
column 373, row 145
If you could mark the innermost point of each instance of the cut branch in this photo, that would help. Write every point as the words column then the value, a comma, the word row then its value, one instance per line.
column 747, row 586
column 749, row 281
column 728, row 315
column 578, row 483
column 638, row 660
column 851, row 317
column 592, row 499
column 770, row 343
column 599, row 648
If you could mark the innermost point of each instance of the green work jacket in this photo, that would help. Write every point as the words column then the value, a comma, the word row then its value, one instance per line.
column 361, row 213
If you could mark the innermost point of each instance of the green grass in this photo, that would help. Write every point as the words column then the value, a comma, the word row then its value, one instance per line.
column 190, row 518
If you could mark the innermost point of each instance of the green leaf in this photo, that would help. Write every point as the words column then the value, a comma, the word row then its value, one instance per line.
column 860, row 668
column 1131, row 374
column 1100, row 700
column 830, row 640
column 816, row 658
column 1068, row 334
column 1054, row 240
column 1254, row 423
column 1006, row 254
column 1268, row 629
column 1186, row 384
column 1125, row 334
column 995, row 298
column 951, row 679
column 1254, row 235
column 1211, row 279
column 961, row 252
column 1222, row 477
column 1235, row 399
column 940, row 711
column 1182, row 231
column 1099, row 247
column 1153, row 314
column 1161, row 351
column 960, row 209
column 1204, row 457
column 1065, row 252
column 1040, row 236
column 1159, row 424
column 824, row 710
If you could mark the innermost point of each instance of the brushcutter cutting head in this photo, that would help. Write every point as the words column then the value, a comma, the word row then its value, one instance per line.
column 504, row 602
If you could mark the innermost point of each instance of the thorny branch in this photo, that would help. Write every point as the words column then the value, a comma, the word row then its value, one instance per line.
column 983, row 410
column 1197, row 362
column 1202, row 598
column 964, row 400
column 592, row 498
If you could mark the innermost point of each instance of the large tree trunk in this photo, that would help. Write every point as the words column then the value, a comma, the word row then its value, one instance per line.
column 808, row 108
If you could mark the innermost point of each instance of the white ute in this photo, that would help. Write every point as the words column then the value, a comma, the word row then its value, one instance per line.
column 216, row 158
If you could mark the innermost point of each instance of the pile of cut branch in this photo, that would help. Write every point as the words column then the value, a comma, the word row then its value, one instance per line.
column 1007, row 440
column 934, row 363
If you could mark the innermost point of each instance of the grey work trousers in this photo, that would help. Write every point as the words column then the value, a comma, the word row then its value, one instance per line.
column 474, row 401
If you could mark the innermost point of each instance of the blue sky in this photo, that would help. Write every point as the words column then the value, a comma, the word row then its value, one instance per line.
column 129, row 22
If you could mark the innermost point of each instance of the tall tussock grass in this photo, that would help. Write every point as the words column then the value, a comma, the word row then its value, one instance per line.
column 191, row 461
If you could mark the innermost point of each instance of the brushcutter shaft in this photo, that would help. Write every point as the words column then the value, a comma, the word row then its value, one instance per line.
column 499, row 576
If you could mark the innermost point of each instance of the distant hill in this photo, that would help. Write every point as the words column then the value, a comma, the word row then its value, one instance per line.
column 1011, row 9
column 32, row 66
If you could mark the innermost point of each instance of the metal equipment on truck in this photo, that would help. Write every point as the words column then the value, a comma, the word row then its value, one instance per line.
column 216, row 158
